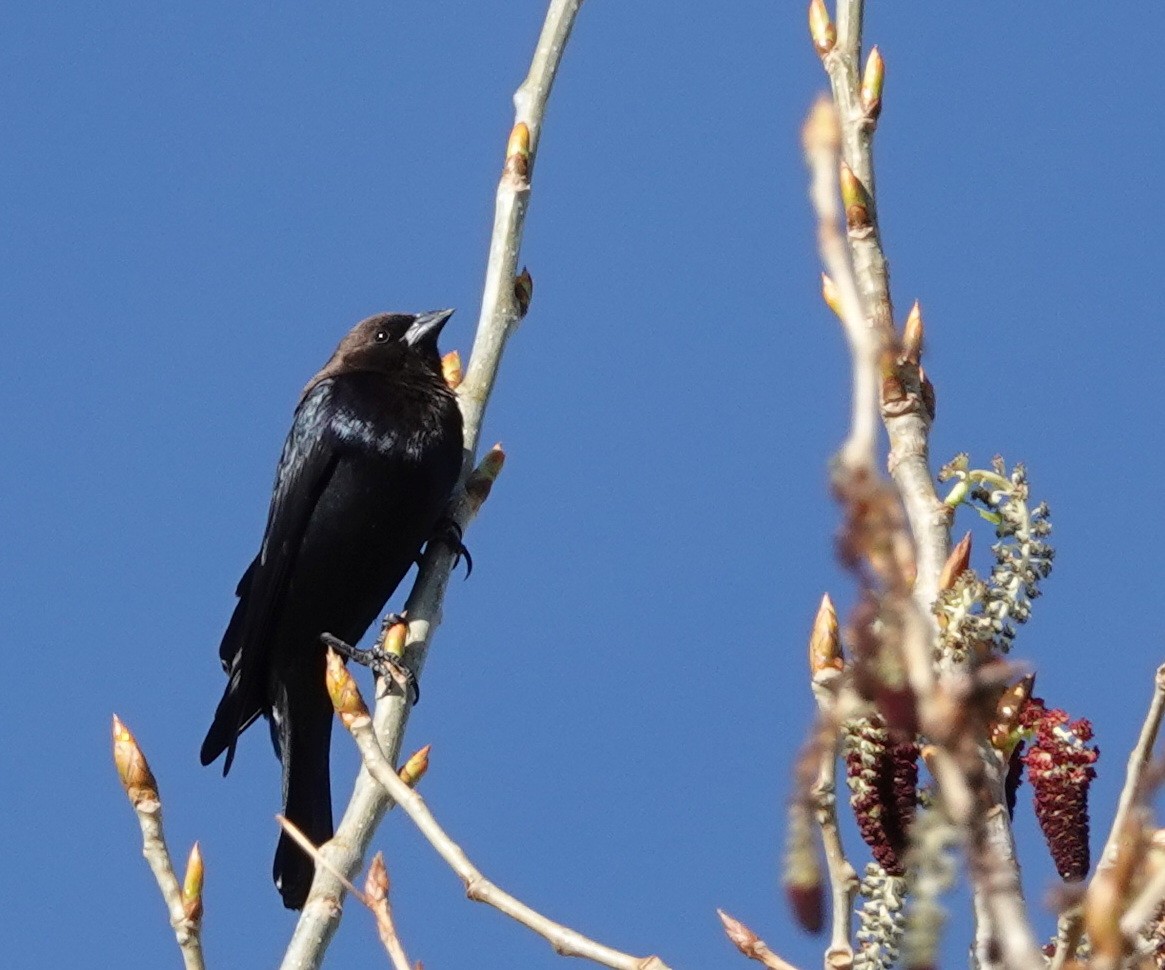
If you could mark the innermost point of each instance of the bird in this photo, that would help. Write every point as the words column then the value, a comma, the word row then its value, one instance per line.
column 373, row 456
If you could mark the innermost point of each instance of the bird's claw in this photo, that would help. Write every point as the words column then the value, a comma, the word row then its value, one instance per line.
column 382, row 663
column 450, row 533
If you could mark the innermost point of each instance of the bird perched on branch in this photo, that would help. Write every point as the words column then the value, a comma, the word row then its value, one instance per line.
column 373, row 455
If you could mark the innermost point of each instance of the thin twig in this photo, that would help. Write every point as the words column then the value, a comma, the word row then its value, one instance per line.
column 843, row 879
column 820, row 141
column 498, row 318
column 139, row 783
column 564, row 940
column 1069, row 927
column 999, row 905
column 1139, row 759
column 376, row 894
column 908, row 427
column 375, row 897
column 318, row 857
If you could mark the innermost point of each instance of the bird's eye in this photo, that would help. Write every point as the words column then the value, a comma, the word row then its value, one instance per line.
column 381, row 336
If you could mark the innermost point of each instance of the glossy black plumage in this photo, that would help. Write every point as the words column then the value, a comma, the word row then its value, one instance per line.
column 373, row 454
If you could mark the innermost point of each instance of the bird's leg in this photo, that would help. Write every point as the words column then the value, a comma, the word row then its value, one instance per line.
column 449, row 532
column 381, row 662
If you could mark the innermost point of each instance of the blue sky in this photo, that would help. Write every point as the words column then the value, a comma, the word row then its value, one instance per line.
column 200, row 199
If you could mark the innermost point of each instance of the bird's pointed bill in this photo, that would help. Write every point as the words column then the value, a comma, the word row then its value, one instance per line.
column 426, row 327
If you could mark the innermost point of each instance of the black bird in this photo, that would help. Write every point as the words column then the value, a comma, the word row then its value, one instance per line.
column 373, row 455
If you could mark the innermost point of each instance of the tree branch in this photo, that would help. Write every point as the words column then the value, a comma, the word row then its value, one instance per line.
column 500, row 312
column 1139, row 759
column 374, row 897
column 565, row 941
column 183, row 902
column 908, row 424
column 905, row 400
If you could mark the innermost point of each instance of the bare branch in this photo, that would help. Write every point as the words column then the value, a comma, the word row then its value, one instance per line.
column 500, row 312
column 825, row 663
column 376, row 897
column 318, row 857
column 906, row 403
column 820, row 140
column 184, row 903
column 907, row 421
column 564, row 940
column 1139, row 759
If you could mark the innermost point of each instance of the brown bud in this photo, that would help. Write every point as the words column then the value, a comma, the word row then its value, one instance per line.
column 744, row 939
column 821, row 28
column 376, row 885
column 1008, row 710
column 523, row 291
column 855, row 198
column 872, row 80
column 132, row 768
column 481, row 480
column 192, row 885
column 343, row 690
column 518, row 151
column 413, row 770
column 956, row 564
column 825, row 640
column 912, row 336
column 451, row 369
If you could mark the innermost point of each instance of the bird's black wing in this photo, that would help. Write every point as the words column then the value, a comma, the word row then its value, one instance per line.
column 309, row 459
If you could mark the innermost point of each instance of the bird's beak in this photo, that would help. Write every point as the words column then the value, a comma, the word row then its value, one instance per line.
column 426, row 327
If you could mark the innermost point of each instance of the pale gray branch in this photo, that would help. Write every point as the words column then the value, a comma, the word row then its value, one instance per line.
column 186, row 930
column 1139, row 759
column 843, row 879
column 999, row 903
column 565, row 941
column 138, row 780
column 498, row 317
column 908, row 429
column 820, row 140
column 377, row 902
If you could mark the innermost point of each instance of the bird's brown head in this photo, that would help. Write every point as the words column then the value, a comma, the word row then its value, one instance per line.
column 389, row 343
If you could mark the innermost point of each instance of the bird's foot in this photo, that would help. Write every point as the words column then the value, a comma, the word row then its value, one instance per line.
column 390, row 620
column 380, row 661
column 449, row 532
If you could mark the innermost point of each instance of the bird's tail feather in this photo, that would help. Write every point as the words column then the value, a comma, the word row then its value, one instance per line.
column 242, row 701
column 303, row 730
column 237, row 710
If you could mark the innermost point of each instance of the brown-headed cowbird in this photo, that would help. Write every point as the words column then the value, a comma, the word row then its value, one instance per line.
column 368, row 467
